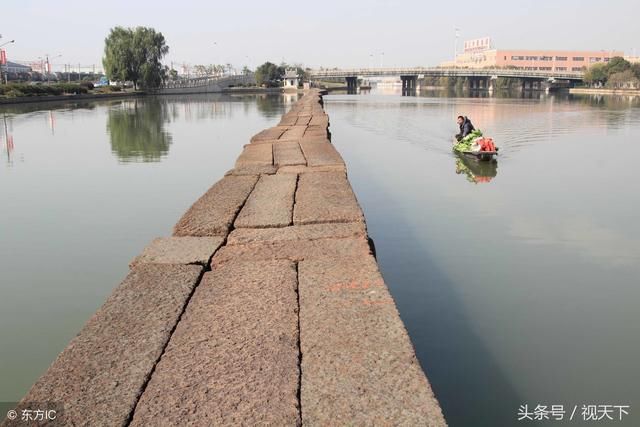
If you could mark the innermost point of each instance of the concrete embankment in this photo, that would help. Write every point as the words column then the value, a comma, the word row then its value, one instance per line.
column 266, row 306
column 603, row 91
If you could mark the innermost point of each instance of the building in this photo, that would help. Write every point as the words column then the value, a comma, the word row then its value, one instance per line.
column 14, row 67
column 291, row 79
column 480, row 53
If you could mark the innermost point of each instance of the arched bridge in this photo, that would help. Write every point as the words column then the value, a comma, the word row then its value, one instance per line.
column 478, row 78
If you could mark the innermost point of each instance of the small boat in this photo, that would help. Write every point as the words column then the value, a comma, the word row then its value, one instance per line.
column 484, row 156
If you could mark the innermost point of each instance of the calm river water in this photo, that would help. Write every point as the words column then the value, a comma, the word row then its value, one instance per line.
column 519, row 282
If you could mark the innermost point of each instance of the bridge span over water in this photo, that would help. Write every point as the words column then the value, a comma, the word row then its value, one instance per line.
column 479, row 78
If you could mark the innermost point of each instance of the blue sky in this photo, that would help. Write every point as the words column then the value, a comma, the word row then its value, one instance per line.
column 320, row 33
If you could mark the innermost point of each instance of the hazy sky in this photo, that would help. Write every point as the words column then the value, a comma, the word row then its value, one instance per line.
column 316, row 33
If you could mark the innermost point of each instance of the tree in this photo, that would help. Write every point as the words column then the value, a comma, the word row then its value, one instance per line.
column 269, row 74
column 636, row 69
column 134, row 55
column 624, row 79
column 617, row 64
column 596, row 74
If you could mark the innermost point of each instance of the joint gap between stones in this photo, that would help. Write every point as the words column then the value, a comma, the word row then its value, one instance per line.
column 295, row 193
column 304, row 156
column 164, row 348
column 299, row 393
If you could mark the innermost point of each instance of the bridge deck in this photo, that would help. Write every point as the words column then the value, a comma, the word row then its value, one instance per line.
column 265, row 307
column 443, row 72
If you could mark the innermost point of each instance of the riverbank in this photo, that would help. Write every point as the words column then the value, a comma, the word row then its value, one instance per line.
column 603, row 91
column 117, row 95
column 269, row 286
column 79, row 97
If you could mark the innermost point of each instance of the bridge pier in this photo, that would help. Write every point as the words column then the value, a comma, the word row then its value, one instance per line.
column 480, row 83
column 409, row 84
column 533, row 84
column 352, row 84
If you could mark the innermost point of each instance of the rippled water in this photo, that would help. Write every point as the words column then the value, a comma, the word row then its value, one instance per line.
column 519, row 282
column 83, row 188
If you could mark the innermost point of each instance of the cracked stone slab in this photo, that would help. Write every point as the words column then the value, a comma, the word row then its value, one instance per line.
column 358, row 364
column 294, row 133
column 270, row 133
column 100, row 374
column 233, row 358
column 214, row 212
column 243, row 236
column 288, row 154
column 179, row 250
column 292, row 250
column 320, row 154
column 255, row 154
column 325, row 197
column 270, row 203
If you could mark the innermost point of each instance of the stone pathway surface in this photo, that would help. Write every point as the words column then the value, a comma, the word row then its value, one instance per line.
column 266, row 307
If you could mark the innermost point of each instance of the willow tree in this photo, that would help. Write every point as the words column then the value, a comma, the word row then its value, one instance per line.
column 134, row 54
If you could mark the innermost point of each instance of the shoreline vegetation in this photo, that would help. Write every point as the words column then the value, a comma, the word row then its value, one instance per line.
column 98, row 95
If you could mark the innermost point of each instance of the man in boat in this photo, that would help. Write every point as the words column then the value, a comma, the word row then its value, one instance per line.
column 466, row 127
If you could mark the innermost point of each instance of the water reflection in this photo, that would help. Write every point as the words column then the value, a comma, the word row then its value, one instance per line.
column 8, row 140
column 476, row 171
column 137, row 130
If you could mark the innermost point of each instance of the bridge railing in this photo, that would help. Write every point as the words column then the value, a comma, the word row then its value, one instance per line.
column 437, row 71
column 200, row 81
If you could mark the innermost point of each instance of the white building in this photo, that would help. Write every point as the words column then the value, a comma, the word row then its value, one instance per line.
column 291, row 79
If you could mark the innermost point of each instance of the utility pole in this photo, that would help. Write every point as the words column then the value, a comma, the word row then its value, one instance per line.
column 79, row 79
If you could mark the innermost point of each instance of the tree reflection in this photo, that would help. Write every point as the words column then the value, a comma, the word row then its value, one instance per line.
column 137, row 130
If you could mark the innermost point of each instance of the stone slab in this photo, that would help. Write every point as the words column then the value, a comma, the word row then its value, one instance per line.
column 243, row 236
column 270, row 133
column 270, row 203
column 320, row 120
column 292, row 250
column 288, row 120
column 316, row 131
column 358, row 363
column 320, row 154
column 294, row 133
column 179, row 250
column 100, row 374
column 233, row 358
column 306, row 169
column 288, row 154
column 303, row 120
column 255, row 154
column 214, row 212
column 252, row 170
column 325, row 197
column 316, row 139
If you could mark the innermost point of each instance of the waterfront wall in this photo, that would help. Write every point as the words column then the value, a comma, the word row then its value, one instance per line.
column 265, row 306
